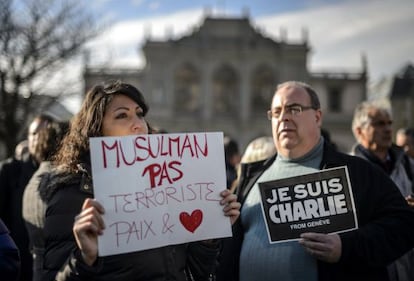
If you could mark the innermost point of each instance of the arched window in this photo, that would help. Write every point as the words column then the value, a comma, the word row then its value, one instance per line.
column 334, row 99
column 226, row 100
column 263, row 87
column 187, row 90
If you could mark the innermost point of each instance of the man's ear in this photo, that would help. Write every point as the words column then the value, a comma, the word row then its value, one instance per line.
column 358, row 132
column 318, row 116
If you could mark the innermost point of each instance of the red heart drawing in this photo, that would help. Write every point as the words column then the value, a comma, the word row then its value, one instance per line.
column 191, row 222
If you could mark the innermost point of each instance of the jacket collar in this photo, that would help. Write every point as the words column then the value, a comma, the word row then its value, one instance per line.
column 250, row 172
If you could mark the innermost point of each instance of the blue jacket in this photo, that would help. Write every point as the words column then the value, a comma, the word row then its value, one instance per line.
column 386, row 223
column 9, row 255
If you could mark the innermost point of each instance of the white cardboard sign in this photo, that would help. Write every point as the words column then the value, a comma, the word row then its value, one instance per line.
column 159, row 189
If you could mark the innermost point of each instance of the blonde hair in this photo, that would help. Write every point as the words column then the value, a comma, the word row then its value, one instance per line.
column 259, row 149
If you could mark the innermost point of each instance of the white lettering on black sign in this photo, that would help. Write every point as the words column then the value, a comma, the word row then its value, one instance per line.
column 318, row 202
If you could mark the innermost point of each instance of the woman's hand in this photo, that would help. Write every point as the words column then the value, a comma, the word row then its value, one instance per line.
column 231, row 206
column 88, row 225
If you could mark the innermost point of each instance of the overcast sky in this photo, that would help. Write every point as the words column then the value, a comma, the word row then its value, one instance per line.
column 339, row 32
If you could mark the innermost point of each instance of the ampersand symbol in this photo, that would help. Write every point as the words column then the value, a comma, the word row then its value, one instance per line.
column 166, row 227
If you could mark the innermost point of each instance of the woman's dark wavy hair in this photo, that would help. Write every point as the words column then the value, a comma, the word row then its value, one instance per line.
column 88, row 122
column 49, row 139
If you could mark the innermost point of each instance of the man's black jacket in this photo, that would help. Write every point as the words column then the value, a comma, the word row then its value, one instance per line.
column 386, row 223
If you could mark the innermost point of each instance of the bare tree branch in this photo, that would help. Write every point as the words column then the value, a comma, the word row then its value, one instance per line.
column 36, row 38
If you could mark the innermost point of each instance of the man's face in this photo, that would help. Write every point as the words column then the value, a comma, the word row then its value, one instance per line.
column 405, row 142
column 32, row 137
column 294, row 134
column 377, row 134
column 401, row 139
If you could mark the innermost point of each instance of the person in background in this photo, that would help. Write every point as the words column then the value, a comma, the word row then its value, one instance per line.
column 74, row 220
column 9, row 255
column 21, row 152
column 14, row 176
column 34, row 206
column 372, row 128
column 232, row 159
column 385, row 221
column 405, row 139
column 257, row 150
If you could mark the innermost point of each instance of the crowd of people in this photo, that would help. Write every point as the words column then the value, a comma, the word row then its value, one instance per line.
column 50, row 221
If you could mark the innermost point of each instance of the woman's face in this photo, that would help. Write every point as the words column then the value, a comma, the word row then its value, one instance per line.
column 123, row 116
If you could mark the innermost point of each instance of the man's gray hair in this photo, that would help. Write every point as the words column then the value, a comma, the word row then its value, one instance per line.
column 361, row 114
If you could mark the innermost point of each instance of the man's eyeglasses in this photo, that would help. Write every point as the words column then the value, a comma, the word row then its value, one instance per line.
column 294, row 110
column 381, row 123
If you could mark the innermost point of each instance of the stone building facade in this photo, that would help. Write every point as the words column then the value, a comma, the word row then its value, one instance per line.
column 222, row 76
column 401, row 96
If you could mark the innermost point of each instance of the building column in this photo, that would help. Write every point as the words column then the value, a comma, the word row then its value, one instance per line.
column 245, row 104
column 168, row 90
column 206, row 91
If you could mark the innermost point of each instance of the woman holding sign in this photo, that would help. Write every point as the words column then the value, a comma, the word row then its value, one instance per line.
column 74, row 219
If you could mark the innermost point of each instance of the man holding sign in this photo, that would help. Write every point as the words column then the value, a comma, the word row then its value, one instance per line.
column 136, row 249
column 312, row 213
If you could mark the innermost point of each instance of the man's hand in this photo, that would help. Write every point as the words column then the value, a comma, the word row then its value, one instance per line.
column 325, row 247
column 410, row 200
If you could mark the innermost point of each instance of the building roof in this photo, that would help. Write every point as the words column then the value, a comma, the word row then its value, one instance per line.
column 229, row 31
column 403, row 85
